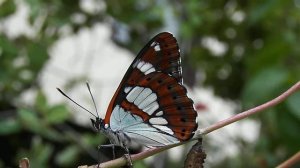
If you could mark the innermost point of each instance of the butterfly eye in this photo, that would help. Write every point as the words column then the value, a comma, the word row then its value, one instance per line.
column 95, row 124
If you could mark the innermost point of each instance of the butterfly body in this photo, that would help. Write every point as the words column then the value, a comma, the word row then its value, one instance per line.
column 150, row 106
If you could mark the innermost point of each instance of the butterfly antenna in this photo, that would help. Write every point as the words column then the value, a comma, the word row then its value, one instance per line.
column 75, row 102
column 89, row 88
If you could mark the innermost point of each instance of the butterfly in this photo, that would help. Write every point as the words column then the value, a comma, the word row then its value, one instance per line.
column 151, row 106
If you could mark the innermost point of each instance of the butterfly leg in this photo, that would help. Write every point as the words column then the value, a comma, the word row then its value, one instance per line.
column 128, row 157
column 109, row 146
column 106, row 146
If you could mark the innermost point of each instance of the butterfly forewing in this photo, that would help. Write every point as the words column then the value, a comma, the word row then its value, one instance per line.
column 163, row 53
column 151, row 106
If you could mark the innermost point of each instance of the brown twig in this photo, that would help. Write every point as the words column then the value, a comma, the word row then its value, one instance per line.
column 199, row 133
column 24, row 163
column 291, row 161
column 196, row 156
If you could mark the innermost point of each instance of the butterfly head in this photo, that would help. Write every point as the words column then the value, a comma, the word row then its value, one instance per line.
column 98, row 124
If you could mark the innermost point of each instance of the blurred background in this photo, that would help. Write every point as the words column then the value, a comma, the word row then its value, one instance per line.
column 235, row 55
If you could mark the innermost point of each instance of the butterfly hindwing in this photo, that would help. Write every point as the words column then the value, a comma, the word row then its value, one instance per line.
column 151, row 105
column 162, row 101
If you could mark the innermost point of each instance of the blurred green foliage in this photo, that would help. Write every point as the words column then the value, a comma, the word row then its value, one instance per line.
column 259, row 61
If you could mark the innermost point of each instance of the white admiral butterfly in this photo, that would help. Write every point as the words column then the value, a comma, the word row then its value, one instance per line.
column 150, row 106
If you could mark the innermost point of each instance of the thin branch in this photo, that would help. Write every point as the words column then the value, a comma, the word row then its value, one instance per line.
column 252, row 111
column 199, row 133
column 291, row 161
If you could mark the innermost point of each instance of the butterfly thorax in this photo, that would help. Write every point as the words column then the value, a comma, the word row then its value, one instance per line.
column 115, row 137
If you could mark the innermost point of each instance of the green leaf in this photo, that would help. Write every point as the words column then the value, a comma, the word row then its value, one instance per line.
column 42, row 151
column 38, row 154
column 41, row 102
column 93, row 139
column 293, row 103
column 35, row 8
column 8, row 48
column 264, row 85
column 139, row 164
column 67, row 156
column 37, row 54
column 8, row 7
column 289, row 127
column 52, row 134
column 273, row 53
column 9, row 126
column 57, row 114
column 30, row 120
